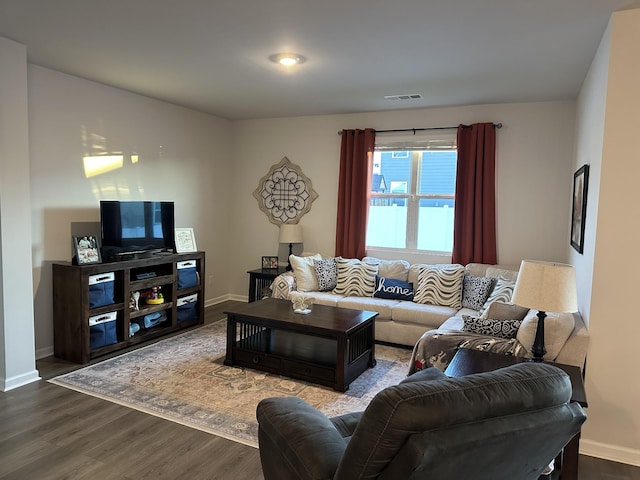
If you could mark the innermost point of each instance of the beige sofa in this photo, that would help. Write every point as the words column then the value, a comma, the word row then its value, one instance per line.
column 404, row 322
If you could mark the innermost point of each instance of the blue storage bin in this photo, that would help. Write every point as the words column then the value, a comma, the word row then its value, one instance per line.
column 101, row 289
column 187, row 274
column 186, row 308
column 102, row 330
column 152, row 319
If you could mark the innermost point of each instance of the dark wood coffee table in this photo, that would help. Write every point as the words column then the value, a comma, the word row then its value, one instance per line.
column 467, row 362
column 330, row 346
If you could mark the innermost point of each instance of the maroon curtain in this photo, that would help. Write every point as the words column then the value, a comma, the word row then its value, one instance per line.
column 474, row 231
column 353, row 192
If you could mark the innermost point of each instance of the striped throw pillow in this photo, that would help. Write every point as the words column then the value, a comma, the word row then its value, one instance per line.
column 440, row 285
column 355, row 278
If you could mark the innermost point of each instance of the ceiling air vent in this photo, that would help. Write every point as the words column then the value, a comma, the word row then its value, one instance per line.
column 408, row 96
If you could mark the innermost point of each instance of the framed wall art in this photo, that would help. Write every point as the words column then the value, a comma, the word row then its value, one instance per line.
column 579, row 210
column 86, row 250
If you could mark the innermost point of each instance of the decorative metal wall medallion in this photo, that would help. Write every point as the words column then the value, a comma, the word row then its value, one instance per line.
column 285, row 194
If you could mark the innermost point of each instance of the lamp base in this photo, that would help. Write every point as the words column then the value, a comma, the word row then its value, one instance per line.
column 537, row 349
column 289, row 267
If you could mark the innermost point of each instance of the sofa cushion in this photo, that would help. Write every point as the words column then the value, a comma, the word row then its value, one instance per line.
column 305, row 272
column 355, row 277
column 326, row 274
column 557, row 329
column 502, row 292
column 440, row 285
column 475, row 291
column 325, row 298
column 490, row 326
column 397, row 269
column 381, row 305
column 429, row 316
column 497, row 272
column 393, row 289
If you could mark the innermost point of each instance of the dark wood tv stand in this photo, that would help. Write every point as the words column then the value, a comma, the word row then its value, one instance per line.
column 72, row 310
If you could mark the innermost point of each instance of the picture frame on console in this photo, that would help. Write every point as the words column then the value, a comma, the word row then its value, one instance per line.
column 579, row 207
column 269, row 262
column 185, row 240
column 86, row 250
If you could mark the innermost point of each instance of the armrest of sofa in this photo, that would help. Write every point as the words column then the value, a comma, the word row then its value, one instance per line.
column 574, row 351
column 296, row 440
column 282, row 285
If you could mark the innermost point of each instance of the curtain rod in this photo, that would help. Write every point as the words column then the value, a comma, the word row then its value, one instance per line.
column 414, row 130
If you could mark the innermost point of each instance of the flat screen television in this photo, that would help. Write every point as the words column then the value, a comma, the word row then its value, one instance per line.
column 130, row 227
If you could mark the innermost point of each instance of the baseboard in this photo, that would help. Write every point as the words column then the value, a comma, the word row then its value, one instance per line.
column 44, row 352
column 226, row 298
column 613, row 453
column 7, row 384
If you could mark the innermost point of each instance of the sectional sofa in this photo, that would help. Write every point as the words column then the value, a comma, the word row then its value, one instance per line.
column 447, row 300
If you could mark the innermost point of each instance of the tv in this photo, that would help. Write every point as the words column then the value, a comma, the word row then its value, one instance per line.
column 134, row 227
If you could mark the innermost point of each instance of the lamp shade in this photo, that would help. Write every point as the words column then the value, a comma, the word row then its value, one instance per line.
column 547, row 287
column 290, row 233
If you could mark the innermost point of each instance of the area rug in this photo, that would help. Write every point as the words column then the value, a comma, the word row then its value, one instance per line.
column 183, row 379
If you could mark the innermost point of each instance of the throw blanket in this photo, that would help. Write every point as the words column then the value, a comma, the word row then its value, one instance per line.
column 436, row 348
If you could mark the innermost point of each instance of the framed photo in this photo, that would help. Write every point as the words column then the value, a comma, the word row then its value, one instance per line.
column 579, row 210
column 185, row 240
column 269, row 262
column 86, row 250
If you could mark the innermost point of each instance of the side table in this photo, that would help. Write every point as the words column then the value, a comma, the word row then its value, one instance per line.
column 261, row 278
column 467, row 362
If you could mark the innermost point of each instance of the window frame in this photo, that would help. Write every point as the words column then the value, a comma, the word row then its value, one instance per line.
column 438, row 141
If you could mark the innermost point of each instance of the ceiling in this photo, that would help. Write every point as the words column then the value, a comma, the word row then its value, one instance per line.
column 212, row 55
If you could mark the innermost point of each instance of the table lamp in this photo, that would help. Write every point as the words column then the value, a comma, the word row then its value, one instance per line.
column 290, row 233
column 546, row 287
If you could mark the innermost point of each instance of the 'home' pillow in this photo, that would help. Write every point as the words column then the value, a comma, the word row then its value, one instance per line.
column 355, row 278
column 393, row 289
column 491, row 327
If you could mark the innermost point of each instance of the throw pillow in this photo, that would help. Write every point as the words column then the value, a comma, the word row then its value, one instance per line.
column 501, row 292
column 440, row 285
column 475, row 291
column 355, row 278
column 304, row 272
column 393, row 289
column 491, row 327
column 326, row 274
column 557, row 329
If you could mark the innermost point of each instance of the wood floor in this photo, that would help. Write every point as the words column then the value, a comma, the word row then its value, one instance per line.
column 49, row 432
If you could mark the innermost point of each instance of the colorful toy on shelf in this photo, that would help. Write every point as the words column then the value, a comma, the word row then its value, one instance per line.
column 153, row 296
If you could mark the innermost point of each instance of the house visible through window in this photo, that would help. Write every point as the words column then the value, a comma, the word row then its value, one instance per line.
column 413, row 194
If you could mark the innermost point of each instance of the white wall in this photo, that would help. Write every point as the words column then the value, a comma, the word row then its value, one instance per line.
column 607, row 138
column 534, row 165
column 17, row 362
column 184, row 156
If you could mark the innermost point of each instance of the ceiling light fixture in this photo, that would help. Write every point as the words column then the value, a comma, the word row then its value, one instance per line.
column 287, row 59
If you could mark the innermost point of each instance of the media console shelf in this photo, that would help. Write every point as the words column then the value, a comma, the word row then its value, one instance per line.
column 93, row 310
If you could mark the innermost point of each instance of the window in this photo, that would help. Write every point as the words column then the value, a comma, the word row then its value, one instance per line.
column 415, row 209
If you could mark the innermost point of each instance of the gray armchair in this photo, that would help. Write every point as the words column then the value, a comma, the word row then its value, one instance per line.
column 506, row 424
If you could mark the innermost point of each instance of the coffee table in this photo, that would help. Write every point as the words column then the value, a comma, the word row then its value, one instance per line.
column 330, row 346
column 467, row 362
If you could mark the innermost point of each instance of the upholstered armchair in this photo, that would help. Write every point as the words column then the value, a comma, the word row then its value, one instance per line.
column 506, row 424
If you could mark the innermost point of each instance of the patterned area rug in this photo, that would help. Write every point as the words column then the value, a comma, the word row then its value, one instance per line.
column 183, row 379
